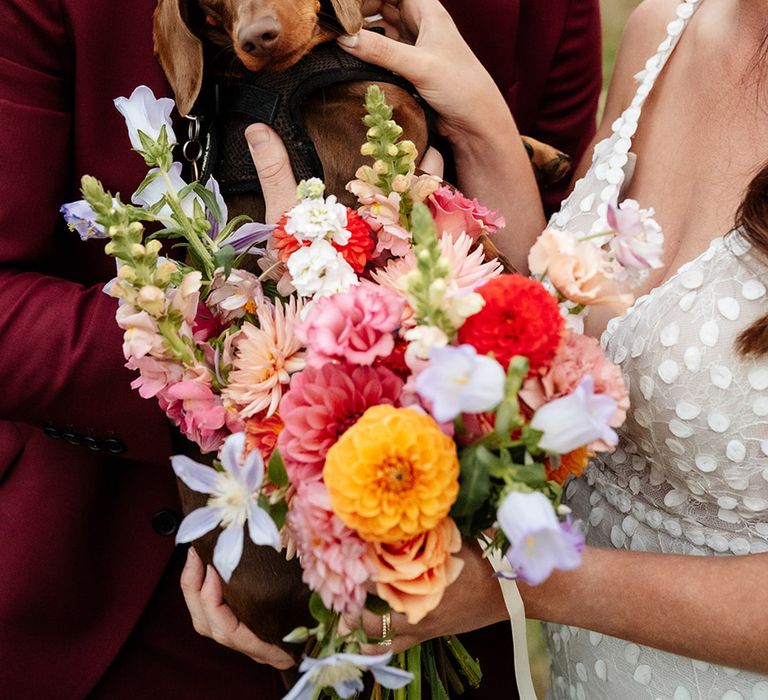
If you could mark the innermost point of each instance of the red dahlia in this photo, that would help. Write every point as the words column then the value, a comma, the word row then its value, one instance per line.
column 357, row 252
column 520, row 317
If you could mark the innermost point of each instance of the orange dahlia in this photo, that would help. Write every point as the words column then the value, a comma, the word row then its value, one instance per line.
column 572, row 464
column 357, row 252
column 393, row 475
column 261, row 433
column 520, row 317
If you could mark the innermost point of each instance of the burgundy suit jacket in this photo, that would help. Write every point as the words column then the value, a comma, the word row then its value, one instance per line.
column 86, row 493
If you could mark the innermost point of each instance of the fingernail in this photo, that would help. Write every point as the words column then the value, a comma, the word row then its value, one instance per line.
column 349, row 40
column 191, row 554
column 257, row 134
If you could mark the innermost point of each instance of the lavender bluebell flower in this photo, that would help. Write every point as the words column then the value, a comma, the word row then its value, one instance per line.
column 458, row 380
column 576, row 420
column 539, row 542
column 144, row 112
column 81, row 217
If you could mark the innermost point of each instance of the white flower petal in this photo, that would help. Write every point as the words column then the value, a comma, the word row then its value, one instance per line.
column 521, row 513
column 198, row 523
column 253, row 470
column 261, row 527
column 391, row 677
column 228, row 550
column 303, row 690
column 231, row 454
column 196, row 476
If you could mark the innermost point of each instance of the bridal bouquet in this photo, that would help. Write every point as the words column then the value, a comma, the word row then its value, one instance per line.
column 372, row 386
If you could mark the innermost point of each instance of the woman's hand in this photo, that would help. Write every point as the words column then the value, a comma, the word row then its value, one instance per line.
column 474, row 600
column 423, row 44
column 212, row 617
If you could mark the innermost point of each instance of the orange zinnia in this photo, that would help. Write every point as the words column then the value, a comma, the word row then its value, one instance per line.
column 393, row 475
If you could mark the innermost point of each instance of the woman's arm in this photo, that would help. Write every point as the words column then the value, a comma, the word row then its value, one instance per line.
column 491, row 162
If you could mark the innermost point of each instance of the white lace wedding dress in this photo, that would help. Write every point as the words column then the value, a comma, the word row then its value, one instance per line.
column 690, row 475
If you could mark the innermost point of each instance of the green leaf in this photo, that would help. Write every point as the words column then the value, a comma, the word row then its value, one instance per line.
column 318, row 610
column 506, row 417
column 278, row 512
column 148, row 180
column 376, row 605
column 226, row 232
column 276, row 470
column 475, row 464
column 225, row 257
column 209, row 199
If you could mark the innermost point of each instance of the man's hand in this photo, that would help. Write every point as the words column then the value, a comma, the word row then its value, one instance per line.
column 213, row 618
column 274, row 170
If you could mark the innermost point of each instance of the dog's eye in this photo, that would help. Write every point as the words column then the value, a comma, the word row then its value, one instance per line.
column 213, row 21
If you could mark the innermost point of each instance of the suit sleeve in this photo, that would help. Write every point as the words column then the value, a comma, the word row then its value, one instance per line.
column 61, row 363
column 568, row 107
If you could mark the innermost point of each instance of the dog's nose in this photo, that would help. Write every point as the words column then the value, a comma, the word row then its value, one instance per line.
column 260, row 36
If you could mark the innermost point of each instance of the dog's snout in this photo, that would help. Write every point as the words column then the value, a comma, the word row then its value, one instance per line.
column 259, row 36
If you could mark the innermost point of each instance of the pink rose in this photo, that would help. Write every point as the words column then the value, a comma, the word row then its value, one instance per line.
column 355, row 326
column 454, row 213
column 578, row 356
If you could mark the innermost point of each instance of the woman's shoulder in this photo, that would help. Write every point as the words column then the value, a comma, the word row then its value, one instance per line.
column 644, row 31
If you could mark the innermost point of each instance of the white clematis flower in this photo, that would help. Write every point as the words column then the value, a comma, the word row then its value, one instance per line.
column 233, row 502
column 144, row 112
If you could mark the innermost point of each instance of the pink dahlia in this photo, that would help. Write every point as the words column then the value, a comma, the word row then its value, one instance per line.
column 355, row 326
column 319, row 407
column 578, row 356
column 454, row 214
column 333, row 558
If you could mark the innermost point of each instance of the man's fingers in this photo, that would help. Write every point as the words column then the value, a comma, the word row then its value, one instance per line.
column 274, row 170
column 192, row 578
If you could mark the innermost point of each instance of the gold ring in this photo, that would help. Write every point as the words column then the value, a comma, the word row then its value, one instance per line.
column 386, row 630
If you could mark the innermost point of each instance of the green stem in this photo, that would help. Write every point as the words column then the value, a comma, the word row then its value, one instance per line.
column 413, row 664
column 469, row 666
column 195, row 243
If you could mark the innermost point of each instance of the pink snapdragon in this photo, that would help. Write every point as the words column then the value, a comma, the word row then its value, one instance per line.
column 355, row 326
column 199, row 413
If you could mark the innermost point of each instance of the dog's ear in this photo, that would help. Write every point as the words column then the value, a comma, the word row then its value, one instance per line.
column 350, row 15
column 180, row 53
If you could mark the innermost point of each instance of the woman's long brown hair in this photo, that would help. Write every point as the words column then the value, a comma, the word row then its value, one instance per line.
column 752, row 217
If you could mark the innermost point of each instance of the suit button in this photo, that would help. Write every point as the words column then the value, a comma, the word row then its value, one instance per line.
column 165, row 523
column 52, row 431
column 113, row 446
column 72, row 437
column 91, row 443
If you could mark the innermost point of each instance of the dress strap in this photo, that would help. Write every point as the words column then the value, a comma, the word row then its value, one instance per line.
column 583, row 212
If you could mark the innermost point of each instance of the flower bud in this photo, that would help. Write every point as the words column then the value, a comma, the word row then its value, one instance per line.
column 127, row 272
column 154, row 247
column 151, row 299
column 368, row 149
column 380, row 167
column 401, row 183
column 392, row 150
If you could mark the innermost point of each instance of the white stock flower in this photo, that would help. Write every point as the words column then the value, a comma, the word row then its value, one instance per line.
column 320, row 270
column 316, row 219
column 144, row 112
column 423, row 339
column 576, row 420
column 233, row 502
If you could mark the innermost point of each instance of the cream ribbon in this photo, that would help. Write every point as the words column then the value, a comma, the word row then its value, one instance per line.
column 516, row 611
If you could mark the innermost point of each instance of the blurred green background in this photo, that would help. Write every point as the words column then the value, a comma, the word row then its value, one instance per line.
column 614, row 17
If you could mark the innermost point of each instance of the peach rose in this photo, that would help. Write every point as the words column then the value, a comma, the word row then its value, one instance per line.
column 413, row 574
column 579, row 270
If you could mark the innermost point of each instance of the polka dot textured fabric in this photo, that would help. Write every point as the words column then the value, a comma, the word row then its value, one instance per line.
column 690, row 474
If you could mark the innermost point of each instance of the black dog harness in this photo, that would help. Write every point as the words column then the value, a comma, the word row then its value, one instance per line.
column 228, row 105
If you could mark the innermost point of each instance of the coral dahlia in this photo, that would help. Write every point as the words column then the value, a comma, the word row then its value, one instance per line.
column 520, row 317
column 319, row 407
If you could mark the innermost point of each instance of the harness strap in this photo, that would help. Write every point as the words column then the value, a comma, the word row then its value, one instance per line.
column 228, row 105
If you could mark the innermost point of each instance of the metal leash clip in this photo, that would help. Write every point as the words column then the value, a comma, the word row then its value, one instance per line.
column 193, row 148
